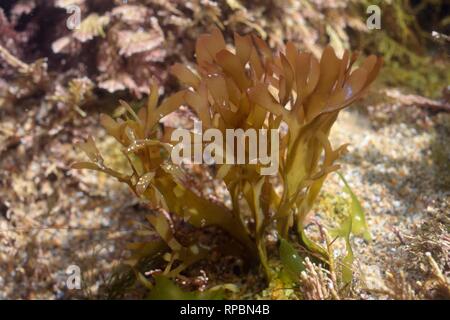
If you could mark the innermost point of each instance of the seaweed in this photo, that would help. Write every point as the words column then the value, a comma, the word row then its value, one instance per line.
column 246, row 88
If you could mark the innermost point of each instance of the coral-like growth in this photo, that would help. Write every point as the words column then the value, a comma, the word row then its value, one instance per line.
column 244, row 88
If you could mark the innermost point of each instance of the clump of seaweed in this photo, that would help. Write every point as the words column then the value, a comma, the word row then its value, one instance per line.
column 244, row 88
